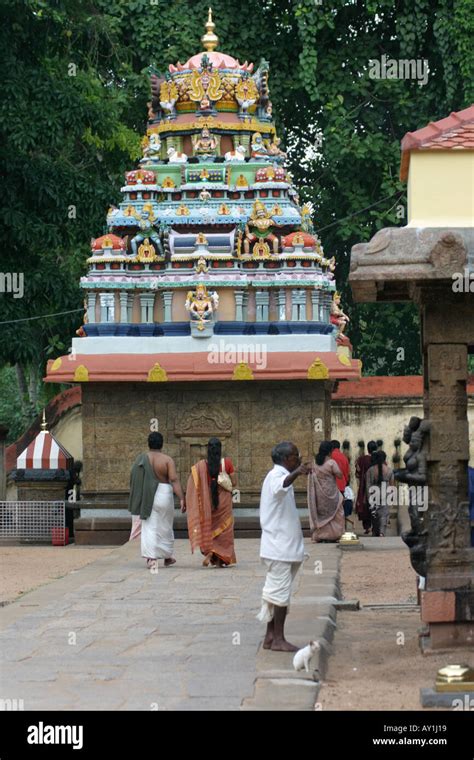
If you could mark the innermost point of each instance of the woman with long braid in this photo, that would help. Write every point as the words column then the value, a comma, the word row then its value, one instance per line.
column 209, row 507
column 378, row 473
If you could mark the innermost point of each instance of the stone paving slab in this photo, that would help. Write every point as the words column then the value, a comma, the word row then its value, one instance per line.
column 115, row 636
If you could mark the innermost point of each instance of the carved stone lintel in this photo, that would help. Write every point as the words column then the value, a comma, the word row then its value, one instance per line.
column 204, row 419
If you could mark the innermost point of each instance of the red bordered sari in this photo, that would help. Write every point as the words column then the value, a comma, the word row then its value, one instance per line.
column 211, row 530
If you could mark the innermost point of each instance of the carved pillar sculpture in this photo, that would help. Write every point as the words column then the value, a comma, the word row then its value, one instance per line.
column 147, row 301
column 126, row 302
column 281, row 296
column 448, row 601
column 262, row 298
column 168, row 303
column 91, row 301
column 315, row 301
column 239, row 305
column 107, row 307
column 295, row 305
column 326, row 301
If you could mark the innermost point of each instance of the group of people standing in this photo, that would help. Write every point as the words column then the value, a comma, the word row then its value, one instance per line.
column 208, row 506
column 372, row 470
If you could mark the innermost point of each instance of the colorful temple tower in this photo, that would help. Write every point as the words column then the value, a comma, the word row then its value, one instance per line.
column 211, row 308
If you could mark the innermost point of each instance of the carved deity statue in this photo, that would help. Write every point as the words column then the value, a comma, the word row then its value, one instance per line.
column 168, row 97
column 201, row 305
column 147, row 230
column 246, row 94
column 337, row 316
column 260, row 227
column 306, row 218
column 258, row 151
column 205, row 144
column 275, row 152
column 205, row 85
column 415, row 473
column 151, row 149
column 81, row 333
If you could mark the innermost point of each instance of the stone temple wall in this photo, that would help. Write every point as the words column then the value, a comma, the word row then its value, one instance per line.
column 249, row 418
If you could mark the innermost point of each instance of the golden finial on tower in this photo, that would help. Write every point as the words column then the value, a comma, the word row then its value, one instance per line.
column 209, row 40
column 43, row 424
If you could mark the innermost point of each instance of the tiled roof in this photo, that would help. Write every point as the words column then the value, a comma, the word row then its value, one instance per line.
column 407, row 386
column 44, row 453
column 57, row 407
column 455, row 132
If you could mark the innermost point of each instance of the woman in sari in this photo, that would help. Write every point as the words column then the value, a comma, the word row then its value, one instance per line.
column 209, row 507
column 378, row 473
column 362, row 505
column 325, row 501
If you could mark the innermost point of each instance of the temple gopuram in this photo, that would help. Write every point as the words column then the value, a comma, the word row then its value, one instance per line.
column 211, row 307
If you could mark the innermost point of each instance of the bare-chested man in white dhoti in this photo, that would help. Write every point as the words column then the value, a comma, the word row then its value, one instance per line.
column 153, row 481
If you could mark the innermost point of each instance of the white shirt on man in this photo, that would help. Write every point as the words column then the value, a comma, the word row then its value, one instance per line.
column 282, row 535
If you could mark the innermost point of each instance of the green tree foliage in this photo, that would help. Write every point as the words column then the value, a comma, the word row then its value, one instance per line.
column 75, row 88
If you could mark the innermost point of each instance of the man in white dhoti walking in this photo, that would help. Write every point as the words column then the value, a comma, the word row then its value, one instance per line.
column 282, row 547
column 153, row 480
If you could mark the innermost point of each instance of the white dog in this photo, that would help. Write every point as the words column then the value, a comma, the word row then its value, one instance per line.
column 303, row 656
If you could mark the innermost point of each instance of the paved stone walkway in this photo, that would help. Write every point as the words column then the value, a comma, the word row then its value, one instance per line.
column 114, row 636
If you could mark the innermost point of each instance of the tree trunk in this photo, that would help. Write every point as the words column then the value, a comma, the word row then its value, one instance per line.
column 33, row 387
column 23, row 389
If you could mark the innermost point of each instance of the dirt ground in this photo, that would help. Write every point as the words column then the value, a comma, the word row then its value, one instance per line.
column 24, row 568
column 377, row 662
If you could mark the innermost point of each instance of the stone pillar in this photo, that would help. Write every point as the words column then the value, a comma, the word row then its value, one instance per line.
column 262, row 298
column 91, row 301
column 3, row 487
column 447, row 604
column 147, row 301
column 301, row 302
column 315, row 303
column 107, row 307
column 246, row 305
column 294, row 305
column 239, row 305
column 125, row 307
column 130, row 307
column 168, row 302
column 326, row 299
column 281, row 297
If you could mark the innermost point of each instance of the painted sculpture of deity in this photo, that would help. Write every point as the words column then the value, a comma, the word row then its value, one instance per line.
column 204, row 145
column 201, row 305
column 168, row 97
column 260, row 228
column 151, row 149
column 275, row 152
column 338, row 317
column 205, row 85
column 246, row 94
column 306, row 218
column 415, row 434
column 81, row 333
column 258, row 150
column 147, row 230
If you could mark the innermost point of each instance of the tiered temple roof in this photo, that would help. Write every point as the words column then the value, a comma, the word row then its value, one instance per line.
column 209, row 240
